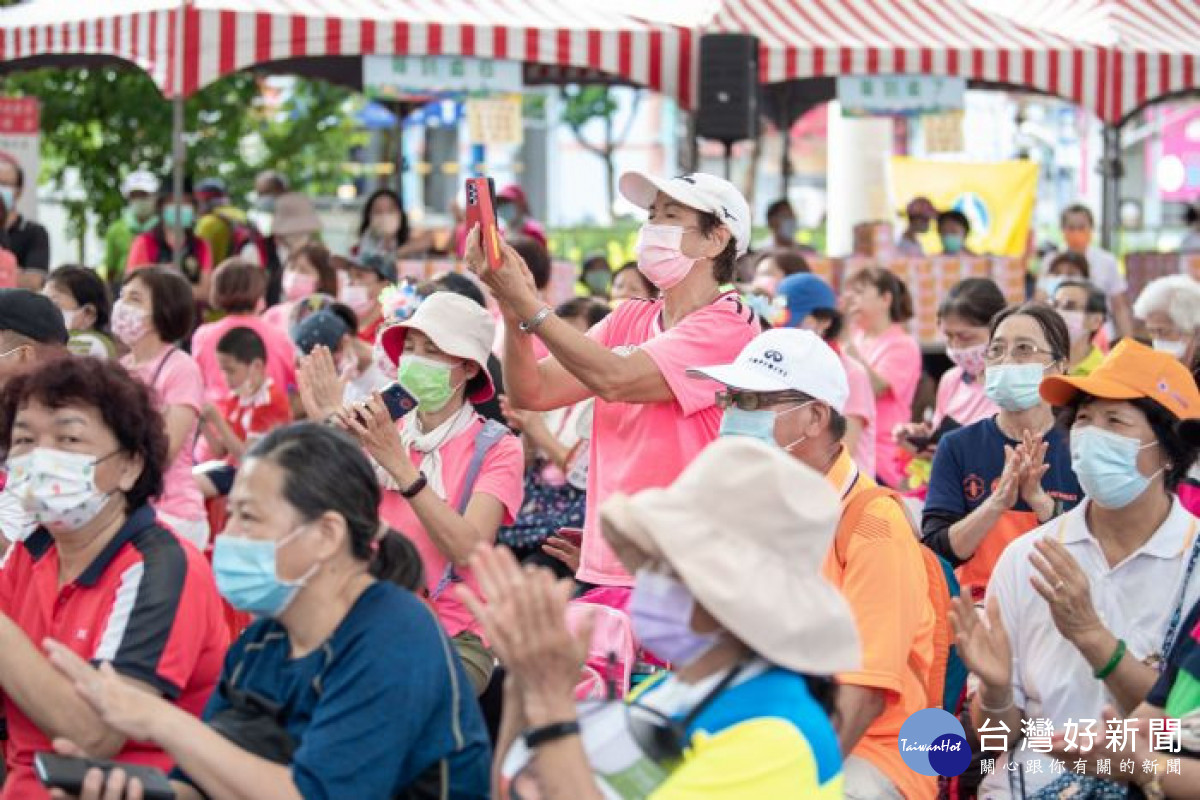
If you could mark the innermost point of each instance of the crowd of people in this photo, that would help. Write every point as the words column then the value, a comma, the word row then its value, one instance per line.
column 279, row 523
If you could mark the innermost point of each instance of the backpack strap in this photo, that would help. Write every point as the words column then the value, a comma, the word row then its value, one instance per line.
column 938, row 588
column 489, row 436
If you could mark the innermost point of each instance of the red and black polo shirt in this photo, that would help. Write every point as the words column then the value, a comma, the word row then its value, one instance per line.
column 147, row 603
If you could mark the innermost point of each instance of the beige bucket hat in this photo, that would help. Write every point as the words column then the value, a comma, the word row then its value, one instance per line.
column 746, row 527
column 458, row 326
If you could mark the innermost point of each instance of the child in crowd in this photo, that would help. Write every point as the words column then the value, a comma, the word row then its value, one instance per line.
column 254, row 407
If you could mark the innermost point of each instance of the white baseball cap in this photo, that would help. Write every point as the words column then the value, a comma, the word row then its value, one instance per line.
column 697, row 190
column 140, row 181
column 785, row 360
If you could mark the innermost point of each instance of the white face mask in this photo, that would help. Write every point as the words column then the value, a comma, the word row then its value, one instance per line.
column 1175, row 349
column 57, row 488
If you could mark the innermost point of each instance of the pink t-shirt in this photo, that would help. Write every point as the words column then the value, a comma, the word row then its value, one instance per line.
column 639, row 446
column 502, row 475
column 861, row 404
column 281, row 353
column 279, row 316
column 175, row 380
column 962, row 401
column 896, row 357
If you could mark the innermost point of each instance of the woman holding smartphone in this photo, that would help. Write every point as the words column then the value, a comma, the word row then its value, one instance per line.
column 450, row 478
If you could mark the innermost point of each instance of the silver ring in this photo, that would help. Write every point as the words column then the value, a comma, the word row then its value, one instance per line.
column 1059, row 585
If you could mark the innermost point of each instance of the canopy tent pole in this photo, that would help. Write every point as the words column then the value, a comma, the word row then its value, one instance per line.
column 1110, row 169
column 179, row 147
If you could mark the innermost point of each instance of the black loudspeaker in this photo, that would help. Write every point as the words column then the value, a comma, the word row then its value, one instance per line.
column 728, row 87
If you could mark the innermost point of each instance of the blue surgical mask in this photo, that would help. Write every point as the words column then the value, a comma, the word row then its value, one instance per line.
column 1014, row 387
column 1106, row 465
column 246, row 576
column 787, row 230
column 1049, row 284
column 185, row 214
column 952, row 243
column 755, row 424
column 8, row 195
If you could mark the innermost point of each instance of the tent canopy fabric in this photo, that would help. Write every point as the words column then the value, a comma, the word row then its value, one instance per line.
column 802, row 39
column 1152, row 46
column 223, row 36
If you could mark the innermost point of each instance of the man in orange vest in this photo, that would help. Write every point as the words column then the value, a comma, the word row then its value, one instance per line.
column 788, row 387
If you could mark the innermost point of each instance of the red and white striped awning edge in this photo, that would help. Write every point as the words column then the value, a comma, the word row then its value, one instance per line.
column 826, row 38
column 223, row 36
column 1151, row 47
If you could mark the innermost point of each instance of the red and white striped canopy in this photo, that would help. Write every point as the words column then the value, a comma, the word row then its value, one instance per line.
column 826, row 38
column 1152, row 46
column 222, row 36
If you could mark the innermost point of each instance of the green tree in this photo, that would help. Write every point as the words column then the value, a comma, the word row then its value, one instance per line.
column 100, row 124
column 583, row 104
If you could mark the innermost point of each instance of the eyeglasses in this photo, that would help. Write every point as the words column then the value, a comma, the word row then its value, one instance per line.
column 1021, row 352
column 754, row 401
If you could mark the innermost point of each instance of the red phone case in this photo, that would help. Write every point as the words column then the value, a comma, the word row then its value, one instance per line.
column 481, row 210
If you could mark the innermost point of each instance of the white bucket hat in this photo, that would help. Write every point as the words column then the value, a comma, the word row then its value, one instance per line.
column 747, row 528
column 458, row 326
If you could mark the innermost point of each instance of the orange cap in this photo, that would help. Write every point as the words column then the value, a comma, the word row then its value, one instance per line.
column 1130, row 371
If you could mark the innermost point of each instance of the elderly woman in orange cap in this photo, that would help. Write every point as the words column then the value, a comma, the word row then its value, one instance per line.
column 739, row 537
column 1112, row 579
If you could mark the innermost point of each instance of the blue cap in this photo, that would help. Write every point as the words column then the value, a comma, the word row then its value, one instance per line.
column 323, row 327
column 804, row 293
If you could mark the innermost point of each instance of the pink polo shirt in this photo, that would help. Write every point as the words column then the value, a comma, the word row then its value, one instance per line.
column 281, row 353
column 639, row 446
column 502, row 475
column 177, row 383
column 896, row 357
column 962, row 401
column 861, row 404
column 278, row 316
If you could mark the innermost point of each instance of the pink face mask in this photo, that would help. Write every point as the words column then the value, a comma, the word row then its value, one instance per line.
column 358, row 298
column 767, row 283
column 1076, row 324
column 297, row 285
column 129, row 323
column 969, row 358
column 659, row 256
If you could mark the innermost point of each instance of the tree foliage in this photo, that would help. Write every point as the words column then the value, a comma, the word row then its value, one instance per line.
column 98, row 124
column 582, row 105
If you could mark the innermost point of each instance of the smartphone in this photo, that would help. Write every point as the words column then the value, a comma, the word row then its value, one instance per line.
column 481, row 210
column 919, row 443
column 67, row 772
column 572, row 535
column 398, row 401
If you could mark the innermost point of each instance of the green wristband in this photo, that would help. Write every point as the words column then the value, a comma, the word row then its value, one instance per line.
column 1113, row 662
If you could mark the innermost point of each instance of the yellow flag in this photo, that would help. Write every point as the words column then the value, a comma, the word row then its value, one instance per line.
column 997, row 197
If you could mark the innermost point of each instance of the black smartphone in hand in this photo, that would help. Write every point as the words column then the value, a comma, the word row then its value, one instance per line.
column 398, row 401
column 67, row 773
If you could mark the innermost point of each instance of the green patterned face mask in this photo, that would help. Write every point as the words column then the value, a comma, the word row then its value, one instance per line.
column 427, row 380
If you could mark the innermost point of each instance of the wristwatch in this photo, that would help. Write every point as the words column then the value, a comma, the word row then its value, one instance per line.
column 550, row 733
column 414, row 489
column 531, row 325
